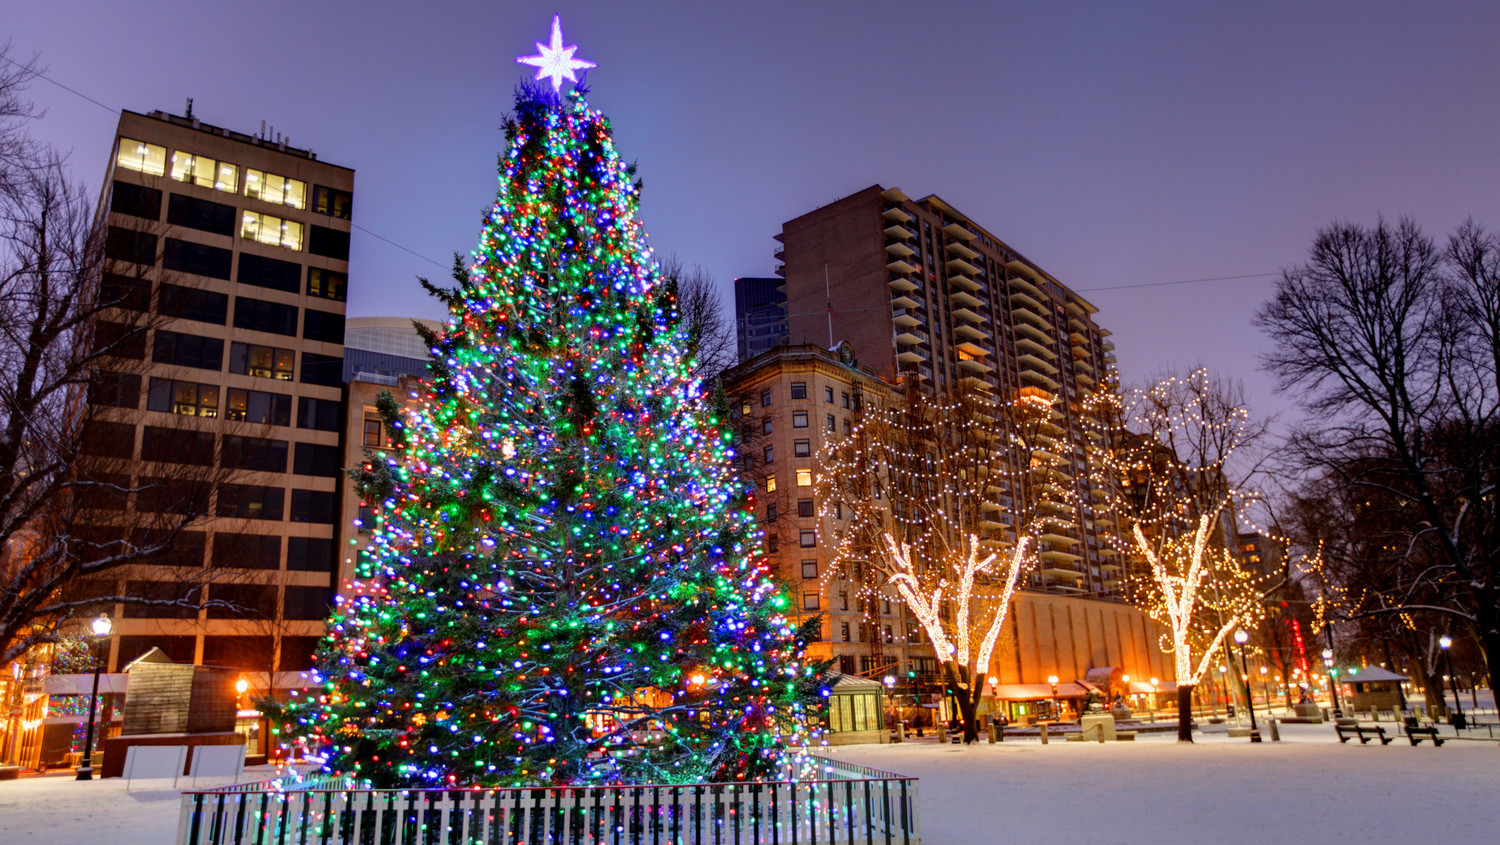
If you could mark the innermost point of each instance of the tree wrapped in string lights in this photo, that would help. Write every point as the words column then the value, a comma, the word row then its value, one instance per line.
column 936, row 501
column 564, row 585
column 1164, row 469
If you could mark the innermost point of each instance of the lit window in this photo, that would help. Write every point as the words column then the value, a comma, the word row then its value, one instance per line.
column 804, row 477
column 143, row 157
column 771, row 483
column 261, row 361
column 809, row 569
column 271, row 188
column 205, row 172
column 268, row 229
column 844, row 631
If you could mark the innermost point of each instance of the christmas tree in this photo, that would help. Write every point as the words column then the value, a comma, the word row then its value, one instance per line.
column 564, row 585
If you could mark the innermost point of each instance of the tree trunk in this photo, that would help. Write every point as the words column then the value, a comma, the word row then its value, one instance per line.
column 1433, row 693
column 966, row 694
column 1184, row 712
column 1489, row 645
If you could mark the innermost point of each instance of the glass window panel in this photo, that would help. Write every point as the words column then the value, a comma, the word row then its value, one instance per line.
column 296, row 193
column 291, row 234
column 228, row 178
column 143, row 157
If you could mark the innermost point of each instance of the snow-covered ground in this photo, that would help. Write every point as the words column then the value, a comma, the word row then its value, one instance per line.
column 1307, row 788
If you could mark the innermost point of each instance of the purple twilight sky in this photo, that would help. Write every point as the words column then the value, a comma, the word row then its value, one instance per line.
column 1112, row 143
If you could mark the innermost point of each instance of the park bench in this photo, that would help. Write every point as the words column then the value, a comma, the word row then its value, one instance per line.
column 1364, row 732
column 1415, row 733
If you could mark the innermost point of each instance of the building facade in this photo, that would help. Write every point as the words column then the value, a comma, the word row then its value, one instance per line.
column 238, row 247
column 921, row 292
column 760, row 316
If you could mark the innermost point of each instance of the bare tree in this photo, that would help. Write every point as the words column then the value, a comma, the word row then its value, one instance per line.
column 1393, row 345
column 937, row 499
column 76, row 509
column 1166, row 475
column 710, row 329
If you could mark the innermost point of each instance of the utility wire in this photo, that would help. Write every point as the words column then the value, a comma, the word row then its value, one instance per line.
column 44, row 77
column 1177, row 282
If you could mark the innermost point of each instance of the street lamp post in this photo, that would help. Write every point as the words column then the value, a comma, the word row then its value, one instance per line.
column 101, row 628
column 1265, row 687
column 1459, row 723
column 1333, row 681
column 1229, row 704
column 1154, row 682
column 890, row 700
column 1056, row 708
column 1241, row 637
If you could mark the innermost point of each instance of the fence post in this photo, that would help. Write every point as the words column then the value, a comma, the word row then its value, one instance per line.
column 1044, row 733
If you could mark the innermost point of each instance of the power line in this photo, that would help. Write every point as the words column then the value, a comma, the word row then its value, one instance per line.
column 78, row 93
column 1177, row 282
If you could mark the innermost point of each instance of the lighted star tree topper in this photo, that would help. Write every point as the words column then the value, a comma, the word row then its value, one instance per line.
column 554, row 61
column 564, row 584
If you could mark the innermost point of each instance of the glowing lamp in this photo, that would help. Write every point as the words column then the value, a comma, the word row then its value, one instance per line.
column 890, row 681
column 1241, row 636
column 241, row 685
column 102, row 626
column 1444, row 641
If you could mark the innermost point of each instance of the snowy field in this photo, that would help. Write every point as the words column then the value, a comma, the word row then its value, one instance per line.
column 1307, row 788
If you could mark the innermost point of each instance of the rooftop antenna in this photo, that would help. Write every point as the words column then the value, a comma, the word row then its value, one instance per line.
column 189, row 114
column 828, row 300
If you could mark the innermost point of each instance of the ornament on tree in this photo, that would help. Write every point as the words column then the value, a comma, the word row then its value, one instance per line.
column 564, row 584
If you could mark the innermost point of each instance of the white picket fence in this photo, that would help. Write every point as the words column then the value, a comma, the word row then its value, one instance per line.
column 852, row 805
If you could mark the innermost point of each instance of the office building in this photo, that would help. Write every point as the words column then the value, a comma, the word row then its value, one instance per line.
column 238, row 246
column 760, row 317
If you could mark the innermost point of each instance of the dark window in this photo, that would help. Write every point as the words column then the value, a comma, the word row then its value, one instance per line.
column 185, row 596
column 765, row 427
column 205, row 306
column 329, row 243
column 308, row 602
column 309, row 554
column 204, row 215
column 799, row 390
column 249, row 359
column 188, row 398
column 105, row 491
column 246, row 601
column 799, row 419
column 374, row 428
column 326, row 284
column 177, row 446
column 327, row 370
column 832, row 424
column 771, row 512
column 773, row 543
column 848, row 429
column 246, row 653
column 801, row 448
column 180, row 496
column 247, row 551
column 259, row 315
column 254, row 453
column 136, row 201
column 828, row 395
column 120, row 340
column 187, row 350
column 317, row 414
column 312, row 506
column 129, row 245
column 808, row 538
column 324, row 326
column 297, row 653
column 809, row 601
column 199, row 259
column 332, row 201
column 185, row 549
column 316, row 459
column 844, row 397
column 809, row 569
column 770, row 454
column 247, row 501
column 131, row 293
column 269, row 273
column 804, row 507
column 765, row 398
column 258, row 406
column 107, row 439
column 365, row 519
column 117, row 390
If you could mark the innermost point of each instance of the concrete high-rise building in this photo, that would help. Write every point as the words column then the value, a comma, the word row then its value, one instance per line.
column 760, row 317
column 242, row 243
column 923, row 294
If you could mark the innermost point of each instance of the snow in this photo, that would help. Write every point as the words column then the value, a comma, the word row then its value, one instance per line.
column 1306, row 788
column 1220, row 790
